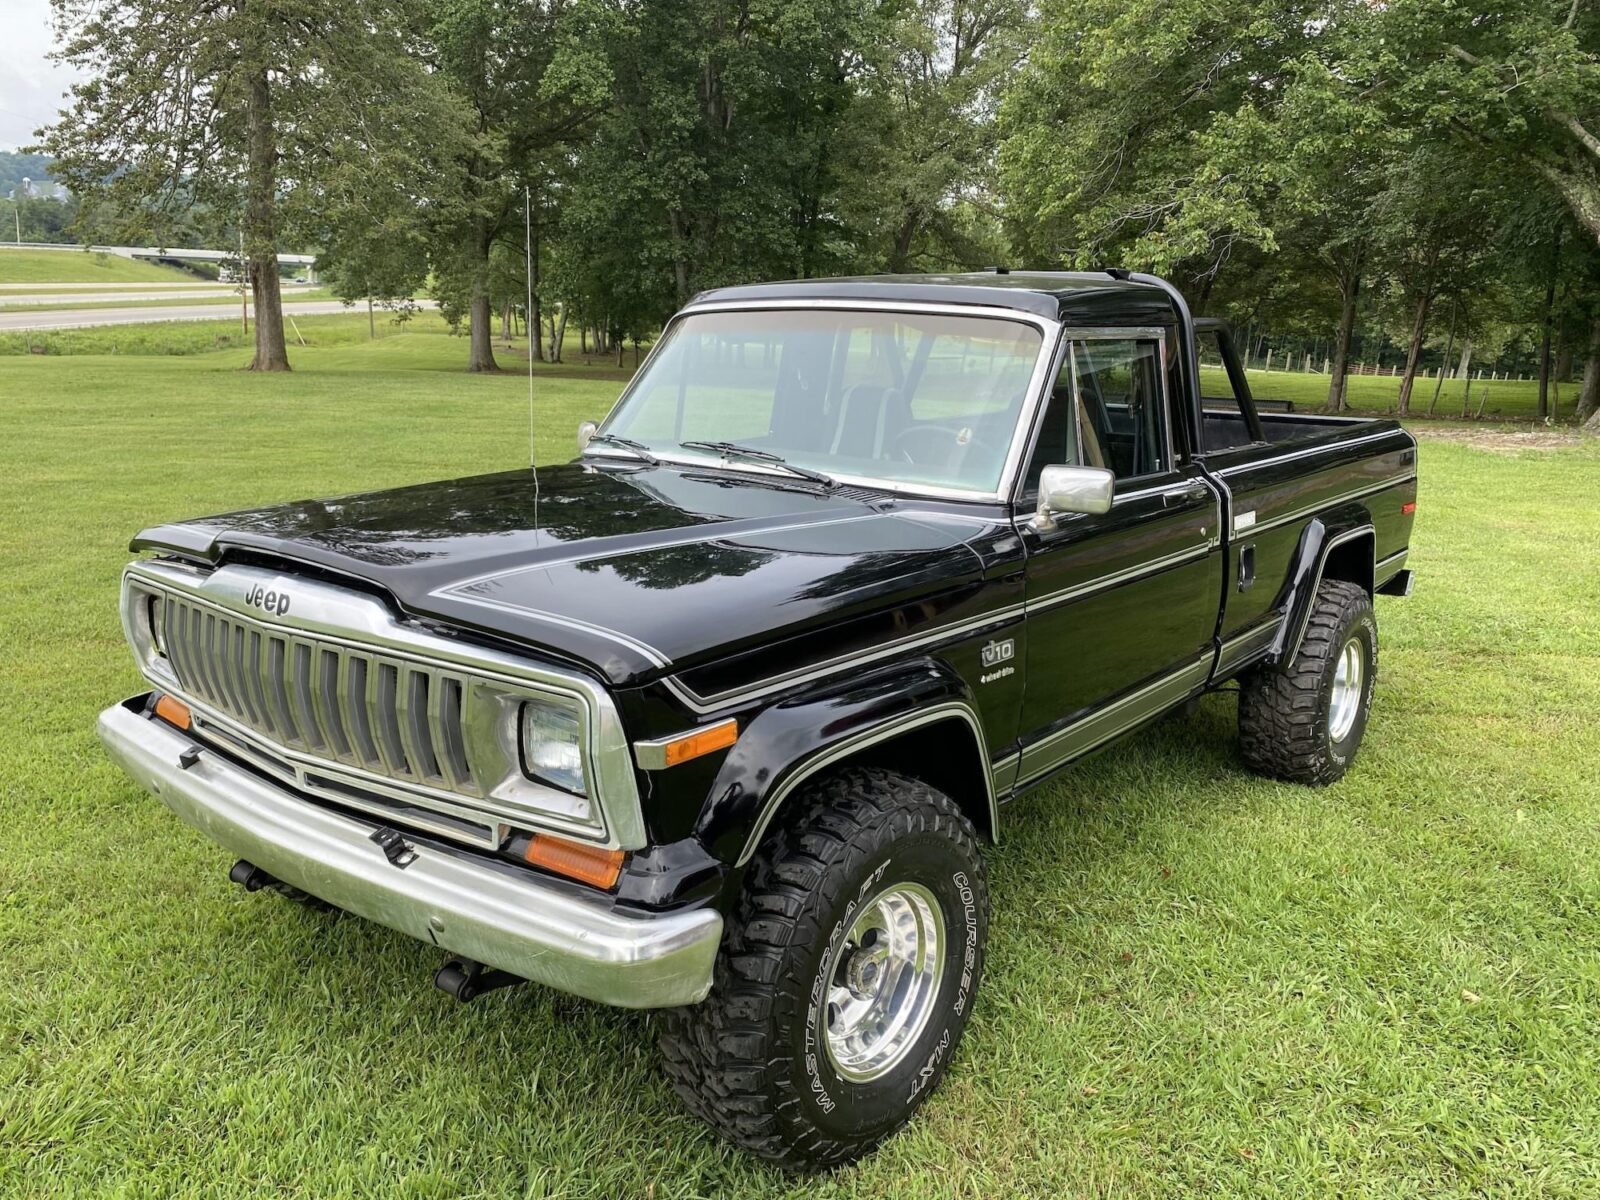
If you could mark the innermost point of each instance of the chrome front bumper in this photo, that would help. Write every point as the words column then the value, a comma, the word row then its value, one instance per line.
column 442, row 897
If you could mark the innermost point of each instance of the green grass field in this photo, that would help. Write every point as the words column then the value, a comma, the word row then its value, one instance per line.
column 1502, row 399
column 72, row 266
column 176, row 339
column 1200, row 983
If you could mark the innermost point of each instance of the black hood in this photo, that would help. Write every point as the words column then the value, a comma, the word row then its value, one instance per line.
column 633, row 571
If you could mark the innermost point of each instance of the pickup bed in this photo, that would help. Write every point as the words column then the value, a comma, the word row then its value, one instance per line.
column 716, row 717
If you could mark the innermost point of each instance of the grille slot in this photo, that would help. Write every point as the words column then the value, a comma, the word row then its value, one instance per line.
column 383, row 714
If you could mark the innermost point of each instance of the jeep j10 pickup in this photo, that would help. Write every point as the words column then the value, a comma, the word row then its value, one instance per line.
column 717, row 717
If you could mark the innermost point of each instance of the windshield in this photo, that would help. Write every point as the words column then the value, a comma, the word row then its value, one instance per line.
column 909, row 398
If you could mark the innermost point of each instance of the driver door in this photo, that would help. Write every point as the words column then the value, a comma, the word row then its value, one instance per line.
column 1121, row 607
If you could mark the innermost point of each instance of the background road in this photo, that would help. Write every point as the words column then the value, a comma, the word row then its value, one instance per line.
column 48, row 294
column 15, row 321
column 199, row 285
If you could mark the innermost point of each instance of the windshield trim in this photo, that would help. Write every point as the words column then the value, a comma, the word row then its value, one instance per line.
column 1049, row 331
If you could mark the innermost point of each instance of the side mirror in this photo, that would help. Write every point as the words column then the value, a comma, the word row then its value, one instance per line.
column 586, row 431
column 1073, row 490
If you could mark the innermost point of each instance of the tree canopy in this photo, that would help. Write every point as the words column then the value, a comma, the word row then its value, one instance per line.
column 1408, row 181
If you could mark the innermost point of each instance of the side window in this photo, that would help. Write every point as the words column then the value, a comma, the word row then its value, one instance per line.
column 1226, row 422
column 1057, row 445
column 1122, row 419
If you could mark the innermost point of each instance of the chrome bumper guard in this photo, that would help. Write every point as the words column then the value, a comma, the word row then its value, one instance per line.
column 442, row 897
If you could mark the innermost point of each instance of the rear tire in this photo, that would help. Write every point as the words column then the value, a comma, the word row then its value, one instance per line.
column 846, row 976
column 1303, row 721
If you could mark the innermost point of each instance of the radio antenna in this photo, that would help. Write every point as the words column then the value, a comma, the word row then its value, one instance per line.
column 527, row 247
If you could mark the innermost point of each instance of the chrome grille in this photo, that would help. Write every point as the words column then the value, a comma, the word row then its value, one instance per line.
column 385, row 715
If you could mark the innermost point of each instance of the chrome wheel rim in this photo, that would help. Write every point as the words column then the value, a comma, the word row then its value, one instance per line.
column 1346, row 699
column 883, row 981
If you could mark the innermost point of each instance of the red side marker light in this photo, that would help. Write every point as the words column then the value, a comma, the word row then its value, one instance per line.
column 1409, row 507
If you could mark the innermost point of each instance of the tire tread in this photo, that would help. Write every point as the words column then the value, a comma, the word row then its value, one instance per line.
column 1281, row 723
column 720, row 1055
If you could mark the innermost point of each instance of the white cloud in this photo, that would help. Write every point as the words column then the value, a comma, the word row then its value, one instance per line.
column 31, row 86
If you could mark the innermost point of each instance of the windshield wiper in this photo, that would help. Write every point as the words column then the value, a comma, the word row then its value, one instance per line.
column 734, row 450
column 639, row 448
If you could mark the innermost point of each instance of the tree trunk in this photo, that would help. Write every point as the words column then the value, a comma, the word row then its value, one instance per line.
column 537, row 340
column 560, row 337
column 1465, row 364
column 1543, row 410
column 261, row 227
column 1589, row 394
column 680, row 264
column 1349, row 291
column 1419, row 329
column 480, row 349
column 1444, row 359
column 480, row 312
column 900, row 255
column 1564, row 360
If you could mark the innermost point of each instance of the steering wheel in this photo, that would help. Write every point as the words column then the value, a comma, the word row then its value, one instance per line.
column 927, row 445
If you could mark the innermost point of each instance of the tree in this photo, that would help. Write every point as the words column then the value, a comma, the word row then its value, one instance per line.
column 1516, row 80
column 1119, row 146
column 237, row 106
column 730, row 139
column 1257, row 144
column 932, row 98
column 1434, row 234
column 503, row 60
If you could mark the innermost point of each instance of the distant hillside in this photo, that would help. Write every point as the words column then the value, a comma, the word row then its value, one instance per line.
column 45, row 267
column 15, row 167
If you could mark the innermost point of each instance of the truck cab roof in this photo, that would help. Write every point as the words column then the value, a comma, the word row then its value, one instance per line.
column 1072, row 297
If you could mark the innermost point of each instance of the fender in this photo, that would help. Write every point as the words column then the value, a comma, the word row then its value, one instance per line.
column 791, row 741
column 1311, row 558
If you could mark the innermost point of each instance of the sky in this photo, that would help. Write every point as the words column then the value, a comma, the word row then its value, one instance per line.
column 31, row 86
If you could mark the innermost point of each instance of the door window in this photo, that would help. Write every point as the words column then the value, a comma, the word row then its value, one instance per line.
column 1119, row 394
column 1105, row 410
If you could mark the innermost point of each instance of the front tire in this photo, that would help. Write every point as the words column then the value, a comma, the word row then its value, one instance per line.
column 846, row 976
column 1303, row 721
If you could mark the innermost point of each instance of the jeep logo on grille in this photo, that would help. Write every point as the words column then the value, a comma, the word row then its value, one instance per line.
column 268, row 601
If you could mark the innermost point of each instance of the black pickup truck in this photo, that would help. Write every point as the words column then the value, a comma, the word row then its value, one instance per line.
column 717, row 717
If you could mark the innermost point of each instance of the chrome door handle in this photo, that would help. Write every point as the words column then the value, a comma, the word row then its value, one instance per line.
column 1186, row 494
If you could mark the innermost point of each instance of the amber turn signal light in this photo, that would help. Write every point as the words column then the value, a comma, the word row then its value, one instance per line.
column 669, row 752
column 587, row 864
column 173, row 712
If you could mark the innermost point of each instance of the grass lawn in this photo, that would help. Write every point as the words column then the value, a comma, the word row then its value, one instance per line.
column 1200, row 983
column 84, row 266
column 1502, row 399
column 169, row 339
